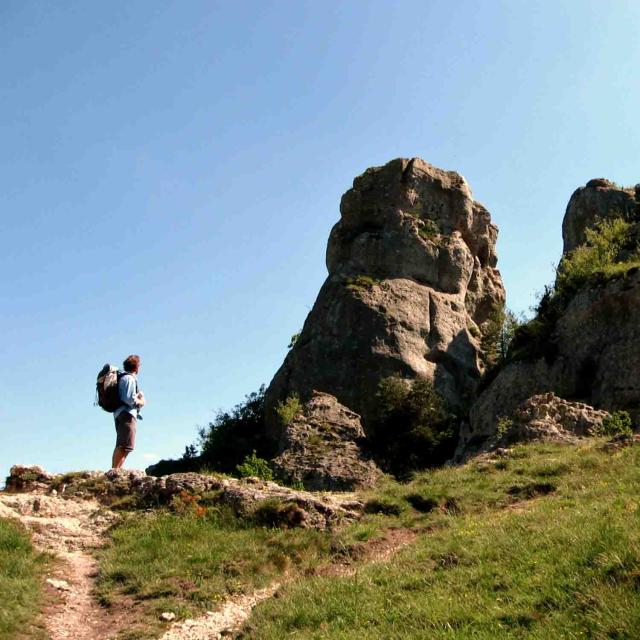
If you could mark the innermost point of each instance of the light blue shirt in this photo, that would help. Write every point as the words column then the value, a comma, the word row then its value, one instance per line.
column 127, row 389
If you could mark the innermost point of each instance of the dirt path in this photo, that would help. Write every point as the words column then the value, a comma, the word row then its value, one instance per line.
column 234, row 613
column 69, row 530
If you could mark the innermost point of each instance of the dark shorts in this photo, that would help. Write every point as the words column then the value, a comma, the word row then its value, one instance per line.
column 126, row 431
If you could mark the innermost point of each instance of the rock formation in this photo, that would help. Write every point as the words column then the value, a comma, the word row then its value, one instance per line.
column 593, row 354
column 597, row 200
column 249, row 498
column 412, row 280
column 548, row 417
column 321, row 448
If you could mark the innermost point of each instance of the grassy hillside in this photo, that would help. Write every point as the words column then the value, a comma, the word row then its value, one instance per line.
column 541, row 543
column 21, row 569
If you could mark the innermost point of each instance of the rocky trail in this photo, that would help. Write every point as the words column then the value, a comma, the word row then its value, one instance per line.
column 70, row 530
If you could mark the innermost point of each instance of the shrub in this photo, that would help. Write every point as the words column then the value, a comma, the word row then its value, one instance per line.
column 252, row 466
column 604, row 245
column 294, row 338
column 413, row 429
column 273, row 513
column 618, row 423
column 289, row 409
column 235, row 434
column 361, row 282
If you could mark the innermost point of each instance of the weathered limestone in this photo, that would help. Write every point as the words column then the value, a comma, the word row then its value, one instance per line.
column 598, row 200
column 285, row 505
column 321, row 448
column 412, row 277
column 594, row 350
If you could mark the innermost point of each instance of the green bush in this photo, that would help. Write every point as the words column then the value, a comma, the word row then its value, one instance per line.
column 602, row 250
column 413, row 429
column 289, row 409
column 361, row 282
column 618, row 423
column 233, row 435
column 252, row 466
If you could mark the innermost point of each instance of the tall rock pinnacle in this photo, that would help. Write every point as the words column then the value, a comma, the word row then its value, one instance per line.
column 412, row 279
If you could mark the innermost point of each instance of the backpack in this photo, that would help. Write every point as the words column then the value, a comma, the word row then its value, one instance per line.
column 107, row 394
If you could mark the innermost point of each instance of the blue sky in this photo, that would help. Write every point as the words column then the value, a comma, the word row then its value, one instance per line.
column 170, row 171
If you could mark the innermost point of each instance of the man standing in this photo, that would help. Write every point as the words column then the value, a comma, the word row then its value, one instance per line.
column 126, row 415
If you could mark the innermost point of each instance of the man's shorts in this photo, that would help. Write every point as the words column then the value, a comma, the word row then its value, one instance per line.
column 126, row 431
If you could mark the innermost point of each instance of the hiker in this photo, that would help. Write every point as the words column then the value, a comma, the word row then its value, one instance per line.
column 126, row 416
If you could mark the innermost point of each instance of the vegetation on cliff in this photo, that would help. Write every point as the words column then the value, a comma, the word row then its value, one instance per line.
column 609, row 252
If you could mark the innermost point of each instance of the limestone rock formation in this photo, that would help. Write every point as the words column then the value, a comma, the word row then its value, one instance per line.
column 412, row 280
column 598, row 200
column 548, row 417
column 593, row 354
column 321, row 448
column 249, row 497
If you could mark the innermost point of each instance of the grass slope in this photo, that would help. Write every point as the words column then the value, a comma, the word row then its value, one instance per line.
column 541, row 543
column 21, row 569
column 188, row 563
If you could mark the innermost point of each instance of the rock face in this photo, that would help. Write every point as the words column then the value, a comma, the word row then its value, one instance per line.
column 268, row 502
column 597, row 360
column 594, row 350
column 598, row 200
column 412, row 277
column 321, row 448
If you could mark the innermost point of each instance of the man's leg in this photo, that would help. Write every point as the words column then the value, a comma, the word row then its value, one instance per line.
column 118, row 458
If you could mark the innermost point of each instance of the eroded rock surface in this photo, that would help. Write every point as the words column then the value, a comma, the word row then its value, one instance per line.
column 593, row 354
column 548, row 417
column 412, row 277
column 599, row 199
column 322, row 448
column 247, row 497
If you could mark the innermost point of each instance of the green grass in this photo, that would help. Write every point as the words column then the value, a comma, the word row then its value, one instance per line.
column 188, row 564
column 21, row 570
column 541, row 543
column 508, row 562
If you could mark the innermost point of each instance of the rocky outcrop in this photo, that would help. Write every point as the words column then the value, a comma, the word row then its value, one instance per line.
column 550, row 418
column 594, row 357
column 593, row 352
column 412, row 279
column 598, row 200
column 249, row 498
column 321, row 448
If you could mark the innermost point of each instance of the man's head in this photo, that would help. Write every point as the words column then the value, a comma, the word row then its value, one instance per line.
column 131, row 364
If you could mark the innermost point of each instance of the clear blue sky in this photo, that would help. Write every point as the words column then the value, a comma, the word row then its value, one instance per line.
column 170, row 171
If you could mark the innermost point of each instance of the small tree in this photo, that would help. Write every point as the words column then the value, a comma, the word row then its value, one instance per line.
column 414, row 429
column 497, row 335
column 234, row 434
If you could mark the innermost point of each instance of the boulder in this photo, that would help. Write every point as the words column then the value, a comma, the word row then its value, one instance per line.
column 412, row 280
column 321, row 448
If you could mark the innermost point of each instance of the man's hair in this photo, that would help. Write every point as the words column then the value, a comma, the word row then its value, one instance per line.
column 131, row 363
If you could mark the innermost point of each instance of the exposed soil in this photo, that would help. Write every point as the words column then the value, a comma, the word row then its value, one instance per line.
column 71, row 529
